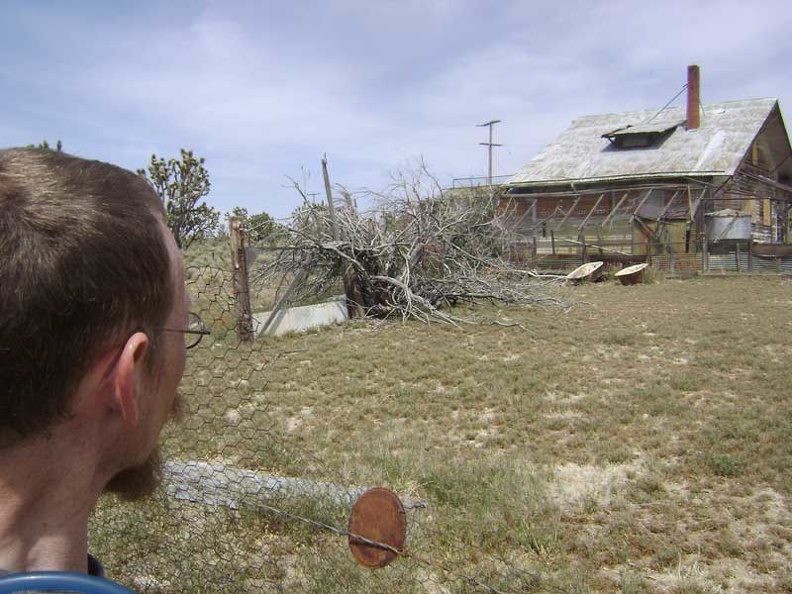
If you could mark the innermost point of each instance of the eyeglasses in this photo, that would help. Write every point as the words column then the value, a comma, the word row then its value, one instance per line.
column 193, row 333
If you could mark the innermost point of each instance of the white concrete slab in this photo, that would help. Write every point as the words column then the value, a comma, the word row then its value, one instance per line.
column 302, row 318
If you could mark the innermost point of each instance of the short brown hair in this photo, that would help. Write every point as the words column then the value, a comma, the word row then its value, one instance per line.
column 82, row 261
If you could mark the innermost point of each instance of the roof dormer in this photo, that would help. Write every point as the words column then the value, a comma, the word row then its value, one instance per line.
column 641, row 135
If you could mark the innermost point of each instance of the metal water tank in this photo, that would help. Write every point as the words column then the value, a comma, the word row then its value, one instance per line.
column 728, row 224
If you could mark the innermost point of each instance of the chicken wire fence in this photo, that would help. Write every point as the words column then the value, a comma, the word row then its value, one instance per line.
column 240, row 511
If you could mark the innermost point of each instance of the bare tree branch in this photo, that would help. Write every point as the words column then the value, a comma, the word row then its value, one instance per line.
column 418, row 253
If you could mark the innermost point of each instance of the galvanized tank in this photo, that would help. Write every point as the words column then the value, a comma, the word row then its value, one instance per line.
column 728, row 224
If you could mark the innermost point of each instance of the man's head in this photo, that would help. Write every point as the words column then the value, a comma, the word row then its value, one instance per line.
column 87, row 267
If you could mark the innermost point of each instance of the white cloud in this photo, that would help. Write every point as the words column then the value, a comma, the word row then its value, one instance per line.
column 264, row 89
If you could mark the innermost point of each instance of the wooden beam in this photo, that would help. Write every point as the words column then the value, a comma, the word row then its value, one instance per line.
column 771, row 182
column 644, row 199
column 693, row 206
column 644, row 228
column 667, row 206
column 241, row 282
column 569, row 212
column 614, row 209
column 591, row 212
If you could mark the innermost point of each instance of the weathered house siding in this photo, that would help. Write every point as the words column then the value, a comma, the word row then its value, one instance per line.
column 614, row 223
column 642, row 184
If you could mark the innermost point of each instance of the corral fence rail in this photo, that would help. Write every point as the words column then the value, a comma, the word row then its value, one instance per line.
column 734, row 257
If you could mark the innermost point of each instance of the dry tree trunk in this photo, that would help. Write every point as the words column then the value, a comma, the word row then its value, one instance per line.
column 418, row 251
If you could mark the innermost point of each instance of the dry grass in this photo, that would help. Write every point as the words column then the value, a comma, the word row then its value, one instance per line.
column 639, row 442
column 661, row 411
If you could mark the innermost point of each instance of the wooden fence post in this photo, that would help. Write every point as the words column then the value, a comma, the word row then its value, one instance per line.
column 705, row 253
column 750, row 253
column 244, row 323
column 737, row 257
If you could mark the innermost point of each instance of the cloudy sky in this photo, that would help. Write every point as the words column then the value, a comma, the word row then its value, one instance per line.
column 262, row 89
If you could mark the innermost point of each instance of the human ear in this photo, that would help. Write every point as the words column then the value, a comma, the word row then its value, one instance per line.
column 128, row 376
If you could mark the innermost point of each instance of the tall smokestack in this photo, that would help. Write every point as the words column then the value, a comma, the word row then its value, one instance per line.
column 693, row 97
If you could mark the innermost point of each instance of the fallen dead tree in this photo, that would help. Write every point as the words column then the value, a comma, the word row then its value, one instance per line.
column 417, row 253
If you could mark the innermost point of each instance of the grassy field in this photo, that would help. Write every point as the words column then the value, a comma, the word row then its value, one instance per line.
column 639, row 440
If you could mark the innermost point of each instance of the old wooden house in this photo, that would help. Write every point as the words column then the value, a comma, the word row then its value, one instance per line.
column 680, row 186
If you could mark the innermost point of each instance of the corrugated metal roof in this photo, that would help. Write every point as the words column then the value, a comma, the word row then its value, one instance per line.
column 717, row 147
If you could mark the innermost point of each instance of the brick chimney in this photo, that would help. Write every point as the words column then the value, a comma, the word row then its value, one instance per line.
column 693, row 97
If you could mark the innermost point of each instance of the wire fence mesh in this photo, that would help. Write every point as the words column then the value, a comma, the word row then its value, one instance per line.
column 239, row 510
column 244, row 509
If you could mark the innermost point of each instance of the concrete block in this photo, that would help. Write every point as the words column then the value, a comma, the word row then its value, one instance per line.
column 302, row 318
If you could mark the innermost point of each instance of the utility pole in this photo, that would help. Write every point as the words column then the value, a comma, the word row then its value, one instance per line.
column 489, row 146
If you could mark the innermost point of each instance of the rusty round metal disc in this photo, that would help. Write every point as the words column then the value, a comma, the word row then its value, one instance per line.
column 378, row 516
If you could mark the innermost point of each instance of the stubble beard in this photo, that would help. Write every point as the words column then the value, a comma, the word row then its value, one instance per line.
column 142, row 480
